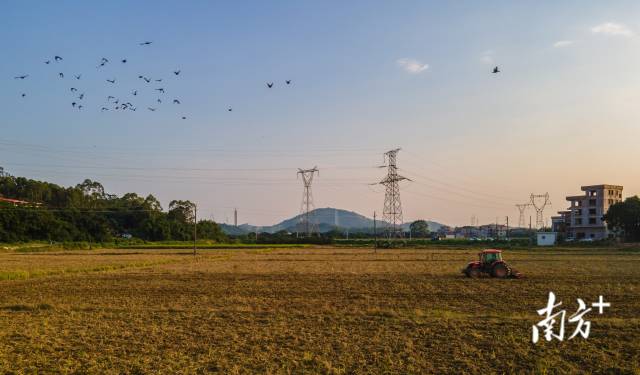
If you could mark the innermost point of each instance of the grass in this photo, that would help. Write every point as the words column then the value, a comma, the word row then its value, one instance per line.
column 310, row 310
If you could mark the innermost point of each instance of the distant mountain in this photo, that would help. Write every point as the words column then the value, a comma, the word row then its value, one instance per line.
column 327, row 219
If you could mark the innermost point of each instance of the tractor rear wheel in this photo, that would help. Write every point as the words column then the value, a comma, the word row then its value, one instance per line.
column 473, row 273
column 500, row 271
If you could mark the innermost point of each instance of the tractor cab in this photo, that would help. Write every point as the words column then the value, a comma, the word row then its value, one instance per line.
column 490, row 256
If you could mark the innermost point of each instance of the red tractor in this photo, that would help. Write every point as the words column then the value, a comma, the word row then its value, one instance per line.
column 491, row 263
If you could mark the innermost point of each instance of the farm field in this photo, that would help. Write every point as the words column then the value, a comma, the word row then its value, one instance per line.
column 311, row 310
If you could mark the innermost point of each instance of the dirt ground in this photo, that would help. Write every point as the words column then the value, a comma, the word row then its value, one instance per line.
column 316, row 310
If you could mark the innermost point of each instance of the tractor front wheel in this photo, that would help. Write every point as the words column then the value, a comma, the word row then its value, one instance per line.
column 500, row 271
column 473, row 273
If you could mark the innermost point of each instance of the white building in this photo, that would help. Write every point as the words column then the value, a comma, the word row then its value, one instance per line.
column 546, row 238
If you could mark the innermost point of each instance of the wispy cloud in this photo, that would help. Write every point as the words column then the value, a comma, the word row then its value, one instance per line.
column 613, row 29
column 487, row 57
column 563, row 43
column 412, row 66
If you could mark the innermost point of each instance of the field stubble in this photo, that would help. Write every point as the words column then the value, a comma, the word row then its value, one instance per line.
column 324, row 310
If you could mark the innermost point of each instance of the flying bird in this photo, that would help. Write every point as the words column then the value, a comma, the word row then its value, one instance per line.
column 135, row 92
column 288, row 82
column 48, row 62
column 159, row 101
column 151, row 109
column 80, row 107
column 496, row 70
column 61, row 75
column 159, row 80
column 176, row 72
column 230, row 109
column 73, row 104
column 21, row 77
column 110, row 97
column 124, row 61
column 57, row 58
column 270, row 84
column 145, row 43
column 104, row 109
column 176, row 101
column 78, row 76
column 104, row 60
column 161, row 90
column 184, row 118
column 147, row 79
column 23, row 95
column 111, row 80
column 73, row 89
column 81, row 96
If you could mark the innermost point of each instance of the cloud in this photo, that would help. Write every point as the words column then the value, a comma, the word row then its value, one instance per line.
column 563, row 43
column 487, row 57
column 411, row 65
column 613, row 29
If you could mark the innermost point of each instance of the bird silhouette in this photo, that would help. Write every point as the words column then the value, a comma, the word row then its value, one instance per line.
column 288, row 82
column 101, row 64
column 48, row 62
column 73, row 89
column 21, row 77
column 160, row 90
column 117, row 101
column 176, row 72
column 73, row 104
column 80, row 107
column 176, row 101
column 111, row 80
column 151, row 109
column 147, row 79
column 116, row 107
column 78, row 76
column 57, row 58
column 184, row 117
column 104, row 109
column 81, row 96
column 270, row 84
column 104, row 60
column 159, row 80
column 61, row 75
column 158, row 100
column 124, row 61
column 229, row 109
column 135, row 92
column 110, row 97
column 23, row 95
column 140, row 77
column 145, row 43
column 496, row 70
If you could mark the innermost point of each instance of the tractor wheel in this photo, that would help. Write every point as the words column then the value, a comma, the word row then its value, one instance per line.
column 501, row 271
column 473, row 273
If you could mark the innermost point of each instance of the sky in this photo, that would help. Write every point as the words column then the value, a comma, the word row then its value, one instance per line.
column 366, row 77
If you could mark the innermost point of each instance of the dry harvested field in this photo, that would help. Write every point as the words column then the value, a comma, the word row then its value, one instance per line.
column 313, row 310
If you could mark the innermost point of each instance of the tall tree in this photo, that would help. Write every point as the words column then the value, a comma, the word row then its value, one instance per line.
column 419, row 228
column 624, row 218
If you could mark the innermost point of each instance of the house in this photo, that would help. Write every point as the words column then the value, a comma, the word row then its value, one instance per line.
column 584, row 217
column 546, row 238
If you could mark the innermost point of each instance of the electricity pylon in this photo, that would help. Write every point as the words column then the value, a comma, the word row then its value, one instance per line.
column 539, row 206
column 306, row 221
column 522, row 208
column 392, row 212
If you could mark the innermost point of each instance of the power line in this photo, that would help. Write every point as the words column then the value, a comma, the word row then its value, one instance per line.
column 392, row 211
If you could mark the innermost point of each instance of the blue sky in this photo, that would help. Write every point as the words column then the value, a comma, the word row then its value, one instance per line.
column 367, row 76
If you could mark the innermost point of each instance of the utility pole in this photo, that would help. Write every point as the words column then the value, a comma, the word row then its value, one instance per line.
column 375, row 234
column 235, row 217
column 507, row 227
column 307, row 200
column 195, row 227
column 539, row 207
column 392, row 212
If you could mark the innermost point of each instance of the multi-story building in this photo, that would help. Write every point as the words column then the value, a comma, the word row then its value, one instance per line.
column 584, row 217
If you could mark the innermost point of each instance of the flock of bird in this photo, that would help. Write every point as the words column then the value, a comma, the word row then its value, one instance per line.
column 113, row 103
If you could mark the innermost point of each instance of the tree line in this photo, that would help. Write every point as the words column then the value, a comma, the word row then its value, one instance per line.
column 86, row 212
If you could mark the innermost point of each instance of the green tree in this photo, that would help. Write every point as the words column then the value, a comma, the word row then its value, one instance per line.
column 624, row 218
column 419, row 228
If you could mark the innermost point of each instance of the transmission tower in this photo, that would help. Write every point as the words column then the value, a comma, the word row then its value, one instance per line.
column 392, row 212
column 306, row 221
column 522, row 208
column 543, row 201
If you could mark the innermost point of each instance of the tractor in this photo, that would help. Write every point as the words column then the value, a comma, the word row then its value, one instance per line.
column 491, row 263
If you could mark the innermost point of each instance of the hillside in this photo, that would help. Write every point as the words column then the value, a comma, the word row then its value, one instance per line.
column 326, row 218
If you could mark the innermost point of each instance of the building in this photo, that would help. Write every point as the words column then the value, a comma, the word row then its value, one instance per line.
column 546, row 238
column 584, row 217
